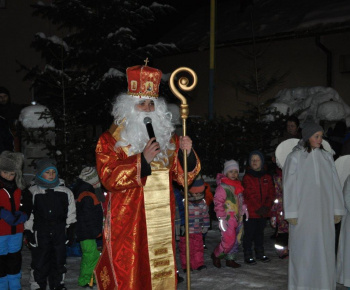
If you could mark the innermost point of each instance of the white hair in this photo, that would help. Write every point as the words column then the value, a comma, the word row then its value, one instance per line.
column 135, row 133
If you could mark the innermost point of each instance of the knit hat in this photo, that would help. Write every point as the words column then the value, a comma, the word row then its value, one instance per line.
column 229, row 165
column 309, row 129
column 197, row 187
column 13, row 162
column 256, row 152
column 89, row 175
column 42, row 166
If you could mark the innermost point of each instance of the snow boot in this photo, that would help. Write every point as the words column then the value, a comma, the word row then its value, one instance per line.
column 249, row 261
column 232, row 264
column 179, row 278
column 264, row 259
column 216, row 261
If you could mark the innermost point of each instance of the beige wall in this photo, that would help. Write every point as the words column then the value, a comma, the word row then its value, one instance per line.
column 305, row 62
column 17, row 30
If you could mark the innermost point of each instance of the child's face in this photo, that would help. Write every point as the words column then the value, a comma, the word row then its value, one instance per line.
column 8, row 175
column 49, row 175
column 232, row 174
column 316, row 140
column 255, row 163
column 196, row 194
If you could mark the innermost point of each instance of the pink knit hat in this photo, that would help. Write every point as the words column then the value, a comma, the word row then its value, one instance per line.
column 229, row 165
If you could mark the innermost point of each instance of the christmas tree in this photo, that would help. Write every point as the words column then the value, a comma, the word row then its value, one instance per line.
column 85, row 67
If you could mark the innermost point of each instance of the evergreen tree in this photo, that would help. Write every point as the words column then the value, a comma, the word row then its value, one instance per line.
column 85, row 67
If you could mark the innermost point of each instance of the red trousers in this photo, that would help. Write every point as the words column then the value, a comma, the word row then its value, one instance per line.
column 196, row 251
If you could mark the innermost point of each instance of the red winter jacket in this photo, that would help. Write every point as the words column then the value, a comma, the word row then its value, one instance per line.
column 258, row 192
column 5, row 202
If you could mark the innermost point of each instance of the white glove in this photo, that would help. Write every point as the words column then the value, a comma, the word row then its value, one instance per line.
column 223, row 224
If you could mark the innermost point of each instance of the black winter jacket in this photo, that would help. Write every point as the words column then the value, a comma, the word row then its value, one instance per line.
column 89, row 212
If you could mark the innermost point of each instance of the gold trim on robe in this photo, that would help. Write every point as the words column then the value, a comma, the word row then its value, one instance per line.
column 159, row 230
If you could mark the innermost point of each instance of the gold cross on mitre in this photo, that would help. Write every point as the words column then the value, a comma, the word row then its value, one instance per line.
column 146, row 61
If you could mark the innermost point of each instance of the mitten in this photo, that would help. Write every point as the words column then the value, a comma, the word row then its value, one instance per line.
column 29, row 235
column 293, row 221
column 245, row 211
column 70, row 235
column 223, row 224
column 8, row 217
column 337, row 219
column 21, row 217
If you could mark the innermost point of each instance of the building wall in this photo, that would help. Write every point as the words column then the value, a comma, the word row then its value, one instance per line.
column 17, row 30
column 303, row 61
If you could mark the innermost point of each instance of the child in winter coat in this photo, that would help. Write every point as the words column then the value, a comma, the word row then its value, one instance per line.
column 198, row 222
column 50, row 226
column 230, row 208
column 258, row 194
column 11, row 219
column 89, row 222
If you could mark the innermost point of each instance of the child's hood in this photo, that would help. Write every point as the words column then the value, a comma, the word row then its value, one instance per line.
column 219, row 178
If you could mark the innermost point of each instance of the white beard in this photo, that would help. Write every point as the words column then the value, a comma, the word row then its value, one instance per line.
column 135, row 133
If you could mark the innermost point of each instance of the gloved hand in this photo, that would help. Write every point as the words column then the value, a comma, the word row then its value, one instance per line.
column 223, row 224
column 70, row 235
column 337, row 219
column 21, row 217
column 29, row 235
column 204, row 230
column 8, row 217
column 293, row 221
column 262, row 211
column 245, row 211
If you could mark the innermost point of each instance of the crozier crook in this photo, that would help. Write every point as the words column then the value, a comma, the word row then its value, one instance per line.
column 183, row 85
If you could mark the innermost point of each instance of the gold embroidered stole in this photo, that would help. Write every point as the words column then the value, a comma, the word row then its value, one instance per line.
column 159, row 230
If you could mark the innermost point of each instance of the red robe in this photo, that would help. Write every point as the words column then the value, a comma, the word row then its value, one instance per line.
column 125, row 232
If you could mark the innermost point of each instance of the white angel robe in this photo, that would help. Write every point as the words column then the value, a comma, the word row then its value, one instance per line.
column 312, row 194
column 343, row 257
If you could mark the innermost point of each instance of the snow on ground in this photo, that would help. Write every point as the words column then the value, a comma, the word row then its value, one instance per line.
column 268, row 276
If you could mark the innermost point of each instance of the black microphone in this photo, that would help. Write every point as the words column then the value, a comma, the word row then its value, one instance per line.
column 148, row 123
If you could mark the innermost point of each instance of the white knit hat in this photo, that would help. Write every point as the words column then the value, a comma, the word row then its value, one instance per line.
column 89, row 175
column 229, row 165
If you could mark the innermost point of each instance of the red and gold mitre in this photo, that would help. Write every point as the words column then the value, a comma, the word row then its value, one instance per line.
column 143, row 81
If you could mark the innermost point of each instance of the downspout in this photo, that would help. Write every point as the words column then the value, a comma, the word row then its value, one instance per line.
column 329, row 60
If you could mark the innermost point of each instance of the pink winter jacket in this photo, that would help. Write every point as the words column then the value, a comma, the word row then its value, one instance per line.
column 228, row 202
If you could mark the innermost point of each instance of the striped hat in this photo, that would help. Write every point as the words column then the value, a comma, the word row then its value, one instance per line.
column 89, row 175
